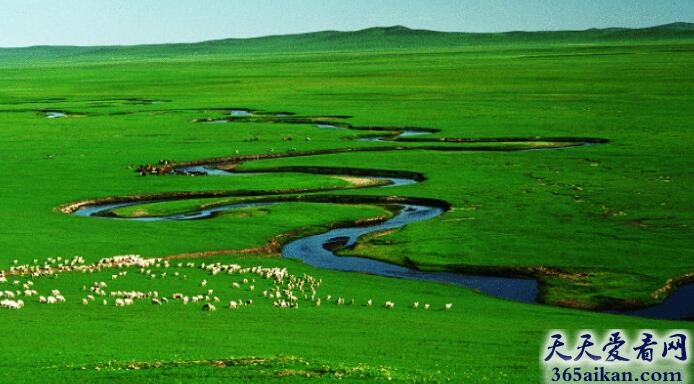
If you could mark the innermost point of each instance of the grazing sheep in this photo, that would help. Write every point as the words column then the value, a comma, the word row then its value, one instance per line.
column 203, row 283
column 389, row 305
column 233, row 304
column 209, row 307
column 318, row 302
column 340, row 301
column 11, row 304
column 120, row 303
column 85, row 301
column 369, row 303
column 426, row 306
column 448, row 306
column 415, row 305
column 51, row 300
column 156, row 301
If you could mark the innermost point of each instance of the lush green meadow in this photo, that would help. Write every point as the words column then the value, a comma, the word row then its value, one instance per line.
column 619, row 215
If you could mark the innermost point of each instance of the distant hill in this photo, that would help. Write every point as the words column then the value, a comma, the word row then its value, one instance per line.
column 378, row 38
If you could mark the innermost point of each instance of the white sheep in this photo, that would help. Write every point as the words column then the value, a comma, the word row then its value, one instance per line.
column 209, row 307
column 389, row 305
column 233, row 304
column 448, row 306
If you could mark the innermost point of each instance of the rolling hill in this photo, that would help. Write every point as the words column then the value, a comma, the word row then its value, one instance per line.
column 377, row 38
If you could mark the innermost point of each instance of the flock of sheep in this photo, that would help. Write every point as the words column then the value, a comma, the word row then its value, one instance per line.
column 285, row 290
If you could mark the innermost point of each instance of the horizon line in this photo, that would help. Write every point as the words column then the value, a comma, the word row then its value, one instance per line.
column 338, row 31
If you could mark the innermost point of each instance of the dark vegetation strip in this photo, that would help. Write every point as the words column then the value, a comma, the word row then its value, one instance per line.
column 279, row 366
column 242, row 158
column 343, row 171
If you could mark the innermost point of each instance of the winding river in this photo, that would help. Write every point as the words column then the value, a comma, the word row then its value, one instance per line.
column 312, row 249
column 318, row 250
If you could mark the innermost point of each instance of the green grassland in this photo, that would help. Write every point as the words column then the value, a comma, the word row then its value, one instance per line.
column 619, row 214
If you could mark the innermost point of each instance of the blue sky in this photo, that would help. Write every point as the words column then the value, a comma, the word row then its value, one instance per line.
column 106, row 22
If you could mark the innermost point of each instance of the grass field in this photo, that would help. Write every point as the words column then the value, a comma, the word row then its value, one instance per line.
column 619, row 215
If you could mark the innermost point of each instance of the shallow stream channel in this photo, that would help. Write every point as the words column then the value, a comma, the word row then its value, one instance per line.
column 319, row 250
